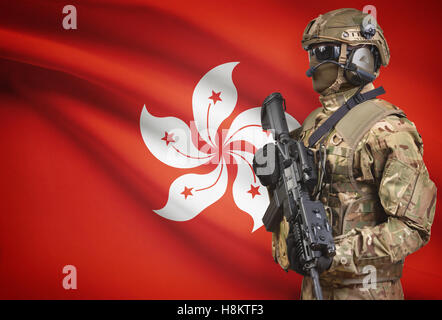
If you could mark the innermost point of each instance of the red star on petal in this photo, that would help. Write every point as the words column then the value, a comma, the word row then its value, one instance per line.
column 187, row 192
column 253, row 191
column 215, row 97
column 168, row 138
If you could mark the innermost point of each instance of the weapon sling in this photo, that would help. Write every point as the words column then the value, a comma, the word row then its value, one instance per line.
column 356, row 99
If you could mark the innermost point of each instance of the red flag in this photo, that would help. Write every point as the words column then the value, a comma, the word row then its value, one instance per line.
column 96, row 169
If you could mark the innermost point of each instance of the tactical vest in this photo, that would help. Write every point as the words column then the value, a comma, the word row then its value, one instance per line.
column 341, row 145
column 350, row 202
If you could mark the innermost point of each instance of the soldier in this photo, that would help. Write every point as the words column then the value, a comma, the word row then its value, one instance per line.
column 373, row 181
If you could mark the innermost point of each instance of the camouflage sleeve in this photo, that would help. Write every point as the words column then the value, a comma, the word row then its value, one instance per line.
column 393, row 156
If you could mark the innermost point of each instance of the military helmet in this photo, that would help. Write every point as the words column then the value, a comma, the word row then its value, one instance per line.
column 347, row 26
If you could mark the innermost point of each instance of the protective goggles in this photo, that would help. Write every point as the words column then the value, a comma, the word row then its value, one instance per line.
column 325, row 52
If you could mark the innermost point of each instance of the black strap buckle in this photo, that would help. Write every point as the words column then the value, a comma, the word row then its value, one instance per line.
column 358, row 98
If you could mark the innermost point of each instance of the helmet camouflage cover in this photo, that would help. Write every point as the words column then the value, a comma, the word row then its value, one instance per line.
column 346, row 25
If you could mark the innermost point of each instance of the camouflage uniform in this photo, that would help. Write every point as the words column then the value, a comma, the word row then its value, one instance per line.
column 376, row 188
column 380, row 211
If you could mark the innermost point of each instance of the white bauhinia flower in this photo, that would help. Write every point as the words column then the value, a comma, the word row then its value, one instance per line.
column 169, row 139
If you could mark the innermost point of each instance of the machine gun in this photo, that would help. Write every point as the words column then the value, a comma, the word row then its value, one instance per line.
column 287, row 168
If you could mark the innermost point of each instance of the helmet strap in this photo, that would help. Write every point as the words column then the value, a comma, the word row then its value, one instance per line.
column 340, row 79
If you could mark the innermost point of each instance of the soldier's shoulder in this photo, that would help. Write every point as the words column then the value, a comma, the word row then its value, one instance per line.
column 395, row 122
column 395, row 126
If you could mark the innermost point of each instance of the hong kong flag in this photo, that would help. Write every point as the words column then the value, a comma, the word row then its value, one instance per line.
column 128, row 133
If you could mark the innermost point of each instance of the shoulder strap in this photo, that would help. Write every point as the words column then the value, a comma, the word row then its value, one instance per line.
column 357, row 122
column 362, row 118
column 356, row 99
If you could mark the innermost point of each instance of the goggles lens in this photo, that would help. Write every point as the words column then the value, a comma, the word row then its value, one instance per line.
column 325, row 52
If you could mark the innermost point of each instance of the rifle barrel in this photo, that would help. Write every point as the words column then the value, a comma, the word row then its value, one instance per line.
column 316, row 285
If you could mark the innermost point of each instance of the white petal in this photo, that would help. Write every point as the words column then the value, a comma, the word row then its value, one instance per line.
column 205, row 189
column 244, row 183
column 292, row 123
column 179, row 153
column 209, row 114
column 247, row 126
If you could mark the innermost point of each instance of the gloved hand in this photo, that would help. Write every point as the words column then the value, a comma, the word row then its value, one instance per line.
column 297, row 263
column 323, row 264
